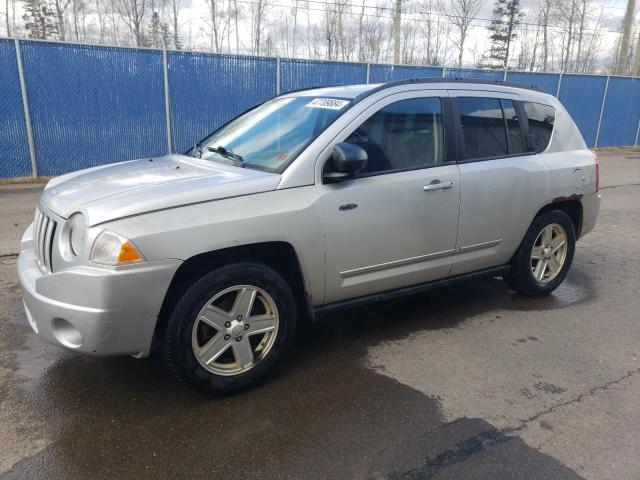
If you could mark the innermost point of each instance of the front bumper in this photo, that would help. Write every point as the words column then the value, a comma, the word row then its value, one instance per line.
column 98, row 311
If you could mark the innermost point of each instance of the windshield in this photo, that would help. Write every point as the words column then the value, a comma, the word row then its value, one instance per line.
column 270, row 136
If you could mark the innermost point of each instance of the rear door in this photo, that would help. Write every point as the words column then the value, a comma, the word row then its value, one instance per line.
column 502, row 185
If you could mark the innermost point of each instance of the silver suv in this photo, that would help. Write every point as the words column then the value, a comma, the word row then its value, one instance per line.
column 312, row 201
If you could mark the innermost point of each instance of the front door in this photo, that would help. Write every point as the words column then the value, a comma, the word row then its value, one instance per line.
column 395, row 224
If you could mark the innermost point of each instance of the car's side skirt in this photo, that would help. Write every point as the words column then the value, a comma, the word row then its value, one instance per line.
column 323, row 310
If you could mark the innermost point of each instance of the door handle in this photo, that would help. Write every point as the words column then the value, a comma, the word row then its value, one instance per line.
column 437, row 185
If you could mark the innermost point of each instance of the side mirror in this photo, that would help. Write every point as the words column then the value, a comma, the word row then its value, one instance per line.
column 347, row 160
column 530, row 141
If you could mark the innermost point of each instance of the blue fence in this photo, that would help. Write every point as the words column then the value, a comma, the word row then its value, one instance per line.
column 93, row 105
column 14, row 152
column 207, row 90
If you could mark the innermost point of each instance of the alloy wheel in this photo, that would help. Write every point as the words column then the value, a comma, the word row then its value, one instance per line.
column 549, row 253
column 235, row 330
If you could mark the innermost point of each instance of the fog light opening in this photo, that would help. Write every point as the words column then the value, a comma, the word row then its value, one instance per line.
column 66, row 333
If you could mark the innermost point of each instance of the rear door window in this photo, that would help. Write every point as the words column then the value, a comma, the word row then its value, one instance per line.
column 541, row 119
column 483, row 127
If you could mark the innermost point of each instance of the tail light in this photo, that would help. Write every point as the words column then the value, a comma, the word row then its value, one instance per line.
column 595, row 158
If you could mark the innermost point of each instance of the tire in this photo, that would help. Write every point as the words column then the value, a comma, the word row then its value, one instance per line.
column 209, row 315
column 527, row 275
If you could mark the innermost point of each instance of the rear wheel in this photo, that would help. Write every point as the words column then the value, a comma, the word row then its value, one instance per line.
column 545, row 255
column 230, row 328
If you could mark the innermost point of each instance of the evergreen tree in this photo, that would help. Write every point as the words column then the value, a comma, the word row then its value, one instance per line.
column 159, row 32
column 507, row 16
column 39, row 19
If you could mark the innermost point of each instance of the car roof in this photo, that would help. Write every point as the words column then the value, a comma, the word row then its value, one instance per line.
column 360, row 91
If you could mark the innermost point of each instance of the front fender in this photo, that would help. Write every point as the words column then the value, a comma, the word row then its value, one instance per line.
column 292, row 216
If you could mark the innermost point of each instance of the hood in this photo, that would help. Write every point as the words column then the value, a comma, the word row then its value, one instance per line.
column 129, row 188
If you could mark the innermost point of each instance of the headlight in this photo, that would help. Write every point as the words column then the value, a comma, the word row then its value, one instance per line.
column 76, row 231
column 110, row 248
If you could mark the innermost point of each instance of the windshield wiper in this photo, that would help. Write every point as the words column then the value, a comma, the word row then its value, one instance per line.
column 228, row 153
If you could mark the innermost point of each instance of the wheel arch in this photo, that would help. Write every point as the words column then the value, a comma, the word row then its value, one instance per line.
column 278, row 255
column 569, row 205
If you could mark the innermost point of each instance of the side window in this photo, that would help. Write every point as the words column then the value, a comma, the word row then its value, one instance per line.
column 482, row 127
column 516, row 142
column 404, row 135
column 541, row 118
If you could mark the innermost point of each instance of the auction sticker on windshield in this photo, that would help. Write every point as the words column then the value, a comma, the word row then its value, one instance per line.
column 330, row 103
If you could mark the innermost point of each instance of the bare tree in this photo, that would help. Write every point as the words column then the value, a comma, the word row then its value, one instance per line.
column 218, row 24
column 61, row 7
column 236, row 12
column 131, row 13
column 330, row 20
column 588, row 54
column 409, row 44
column 461, row 14
column 176, row 6
column 294, row 42
column 563, row 34
column 115, row 23
column 12, row 28
column 528, row 51
column 544, row 14
column 434, row 31
column 78, row 14
column 566, row 11
column 258, row 12
column 582, row 6
column 9, row 15
column 345, row 35
column 311, row 32
column 100, row 12
column 372, row 34
column 534, row 53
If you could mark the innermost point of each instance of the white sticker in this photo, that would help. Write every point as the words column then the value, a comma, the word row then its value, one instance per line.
column 330, row 103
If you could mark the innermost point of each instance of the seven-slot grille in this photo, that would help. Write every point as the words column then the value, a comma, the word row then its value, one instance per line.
column 43, row 231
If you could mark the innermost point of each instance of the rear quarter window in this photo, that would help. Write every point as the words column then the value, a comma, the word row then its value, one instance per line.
column 541, row 120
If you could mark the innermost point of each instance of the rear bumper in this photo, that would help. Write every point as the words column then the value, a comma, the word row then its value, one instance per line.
column 98, row 311
column 590, row 210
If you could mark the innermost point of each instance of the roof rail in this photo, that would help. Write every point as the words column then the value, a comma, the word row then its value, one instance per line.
column 449, row 79
column 425, row 80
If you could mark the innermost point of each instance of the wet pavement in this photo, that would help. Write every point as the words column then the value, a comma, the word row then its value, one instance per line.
column 469, row 381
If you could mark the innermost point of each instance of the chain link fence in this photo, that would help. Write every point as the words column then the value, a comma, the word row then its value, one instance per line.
column 68, row 106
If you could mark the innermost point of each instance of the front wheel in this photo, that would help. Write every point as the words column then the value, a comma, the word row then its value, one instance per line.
column 230, row 328
column 545, row 255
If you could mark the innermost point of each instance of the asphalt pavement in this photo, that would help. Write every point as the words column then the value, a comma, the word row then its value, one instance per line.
column 464, row 382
